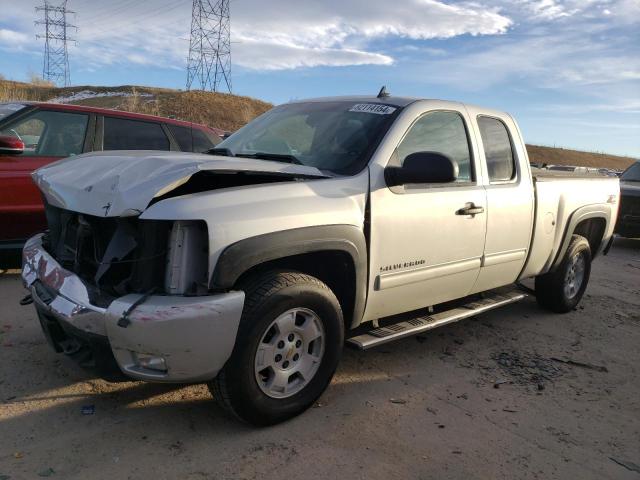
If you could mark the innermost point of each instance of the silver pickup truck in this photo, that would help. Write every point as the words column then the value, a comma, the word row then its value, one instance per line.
column 357, row 219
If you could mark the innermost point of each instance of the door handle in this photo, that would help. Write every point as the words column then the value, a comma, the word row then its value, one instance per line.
column 470, row 209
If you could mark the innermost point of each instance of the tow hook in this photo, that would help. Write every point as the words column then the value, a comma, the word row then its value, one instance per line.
column 26, row 300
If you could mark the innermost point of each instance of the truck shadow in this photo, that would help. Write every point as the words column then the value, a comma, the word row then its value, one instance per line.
column 629, row 244
column 158, row 406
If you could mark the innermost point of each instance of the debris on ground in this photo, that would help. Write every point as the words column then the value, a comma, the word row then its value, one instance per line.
column 497, row 383
column 398, row 401
column 47, row 472
column 88, row 409
column 589, row 366
column 628, row 465
column 526, row 368
column 18, row 455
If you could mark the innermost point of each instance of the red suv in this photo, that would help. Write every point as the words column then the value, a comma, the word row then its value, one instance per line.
column 35, row 134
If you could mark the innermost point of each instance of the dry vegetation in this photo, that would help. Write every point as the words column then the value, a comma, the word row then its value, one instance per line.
column 229, row 112
column 218, row 110
column 563, row 156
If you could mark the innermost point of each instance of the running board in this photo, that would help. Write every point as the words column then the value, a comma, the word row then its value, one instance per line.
column 417, row 325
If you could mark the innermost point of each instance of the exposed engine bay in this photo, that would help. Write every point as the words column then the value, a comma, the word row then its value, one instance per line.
column 115, row 256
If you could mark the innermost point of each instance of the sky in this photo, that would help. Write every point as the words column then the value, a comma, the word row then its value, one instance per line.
column 568, row 70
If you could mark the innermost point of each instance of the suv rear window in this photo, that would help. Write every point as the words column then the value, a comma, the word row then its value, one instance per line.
column 191, row 139
column 123, row 134
column 201, row 142
column 182, row 136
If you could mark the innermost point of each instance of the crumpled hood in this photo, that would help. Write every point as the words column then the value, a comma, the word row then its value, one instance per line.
column 123, row 183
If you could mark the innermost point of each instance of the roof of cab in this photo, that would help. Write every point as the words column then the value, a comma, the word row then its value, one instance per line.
column 400, row 102
column 390, row 100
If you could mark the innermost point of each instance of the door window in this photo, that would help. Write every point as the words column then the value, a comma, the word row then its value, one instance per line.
column 123, row 134
column 444, row 133
column 201, row 142
column 498, row 150
column 191, row 140
column 50, row 134
column 182, row 136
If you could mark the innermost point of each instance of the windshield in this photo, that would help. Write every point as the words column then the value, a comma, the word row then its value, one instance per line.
column 7, row 109
column 632, row 174
column 336, row 136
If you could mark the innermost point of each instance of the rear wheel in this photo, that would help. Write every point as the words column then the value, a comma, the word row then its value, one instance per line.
column 288, row 346
column 561, row 290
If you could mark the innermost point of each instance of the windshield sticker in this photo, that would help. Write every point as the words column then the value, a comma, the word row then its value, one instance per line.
column 373, row 108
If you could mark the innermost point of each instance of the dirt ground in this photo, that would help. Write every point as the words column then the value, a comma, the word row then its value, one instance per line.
column 481, row 399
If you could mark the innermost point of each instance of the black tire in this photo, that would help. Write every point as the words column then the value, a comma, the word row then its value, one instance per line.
column 268, row 296
column 550, row 287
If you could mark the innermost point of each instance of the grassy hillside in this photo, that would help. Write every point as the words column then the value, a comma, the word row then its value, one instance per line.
column 230, row 112
column 563, row 156
column 218, row 110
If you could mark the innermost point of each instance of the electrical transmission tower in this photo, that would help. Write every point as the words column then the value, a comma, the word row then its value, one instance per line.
column 209, row 62
column 56, row 59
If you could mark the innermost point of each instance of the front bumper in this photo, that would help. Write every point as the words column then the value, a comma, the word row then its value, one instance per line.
column 194, row 336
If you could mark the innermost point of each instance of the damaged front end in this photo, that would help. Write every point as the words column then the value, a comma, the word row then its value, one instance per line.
column 115, row 256
column 123, row 294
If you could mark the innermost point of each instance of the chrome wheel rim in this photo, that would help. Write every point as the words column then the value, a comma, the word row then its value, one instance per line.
column 289, row 353
column 575, row 275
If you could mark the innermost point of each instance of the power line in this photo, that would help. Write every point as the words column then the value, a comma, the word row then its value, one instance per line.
column 209, row 61
column 56, row 59
column 118, row 25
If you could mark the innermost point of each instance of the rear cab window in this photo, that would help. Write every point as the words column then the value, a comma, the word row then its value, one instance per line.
column 498, row 149
column 126, row 134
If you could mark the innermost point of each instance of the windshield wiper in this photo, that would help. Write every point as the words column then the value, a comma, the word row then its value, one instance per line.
column 279, row 157
column 225, row 152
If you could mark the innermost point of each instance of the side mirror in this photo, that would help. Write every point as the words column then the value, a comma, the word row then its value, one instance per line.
column 11, row 145
column 422, row 167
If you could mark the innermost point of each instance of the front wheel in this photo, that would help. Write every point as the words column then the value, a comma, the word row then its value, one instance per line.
column 288, row 346
column 561, row 290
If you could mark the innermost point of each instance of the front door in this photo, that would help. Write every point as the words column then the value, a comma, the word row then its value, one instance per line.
column 48, row 136
column 425, row 249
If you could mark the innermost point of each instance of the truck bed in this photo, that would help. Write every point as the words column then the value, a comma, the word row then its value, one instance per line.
column 563, row 200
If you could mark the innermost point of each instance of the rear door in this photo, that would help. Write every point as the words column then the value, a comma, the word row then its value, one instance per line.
column 510, row 199
column 48, row 135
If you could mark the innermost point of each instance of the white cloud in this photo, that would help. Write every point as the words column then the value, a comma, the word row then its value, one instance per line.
column 262, row 55
column 569, row 57
column 12, row 39
column 274, row 35
column 327, row 30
